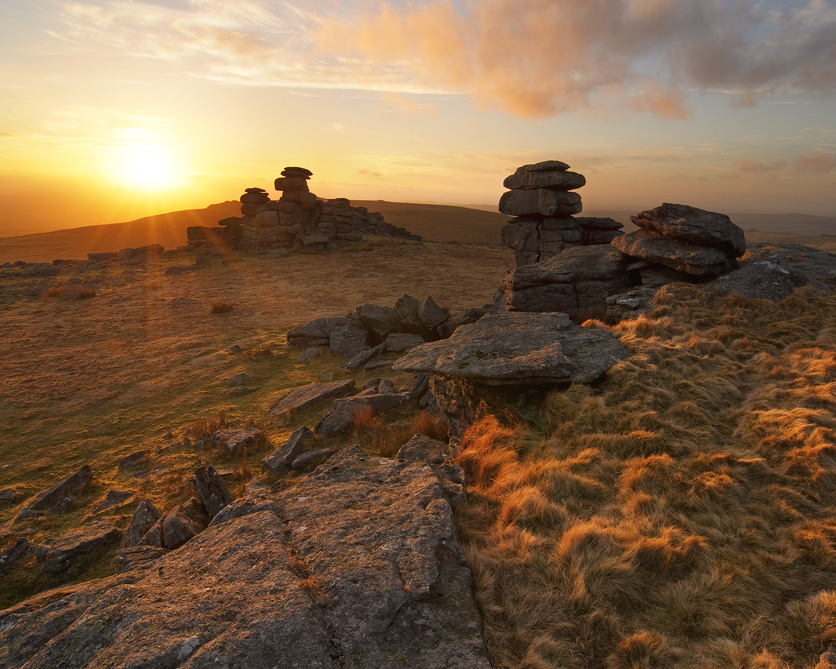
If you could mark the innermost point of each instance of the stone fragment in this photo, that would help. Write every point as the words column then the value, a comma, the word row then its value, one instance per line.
column 696, row 226
column 380, row 321
column 12, row 555
column 431, row 314
column 630, row 305
column 301, row 398
column 279, row 461
column 699, row 261
column 235, row 441
column 424, row 449
column 315, row 333
column 364, row 355
column 133, row 460
column 211, row 490
column 519, row 348
column 144, row 518
column 178, row 526
column 311, row 459
column 335, row 423
column 763, row 280
column 69, row 487
column 111, row 499
column 57, row 553
column 398, row 342
column 349, row 340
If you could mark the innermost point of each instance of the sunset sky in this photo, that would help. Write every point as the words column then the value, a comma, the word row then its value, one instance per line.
column 114, row 109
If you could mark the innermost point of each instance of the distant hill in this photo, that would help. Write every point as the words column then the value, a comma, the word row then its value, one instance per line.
column 479, row 224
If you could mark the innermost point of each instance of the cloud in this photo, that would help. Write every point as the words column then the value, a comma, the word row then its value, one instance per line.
column 537, row 58
column 759, row 166
column 816, row 161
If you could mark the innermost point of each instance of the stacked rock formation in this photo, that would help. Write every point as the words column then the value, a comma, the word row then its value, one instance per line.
column 676, row 242
column 543, row 204
column 297, row 220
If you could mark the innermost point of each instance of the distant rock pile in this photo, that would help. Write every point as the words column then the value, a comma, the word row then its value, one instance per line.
column 543, row 206
column 298, row 220
column 681, row 243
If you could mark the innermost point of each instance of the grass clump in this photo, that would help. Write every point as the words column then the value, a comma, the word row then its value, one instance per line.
column 221, row 307
column 681, row 513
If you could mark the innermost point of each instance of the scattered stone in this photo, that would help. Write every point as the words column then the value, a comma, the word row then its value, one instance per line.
column 378, row 364
column 309, row 354
column 70, row 487
column 518, row 348
column 763, row 280
column 111, row 499
column 144, row 518
column 378, row 402
column 814, row 263
column 235, row 441
column 335, row 423
column 57, row 553
column 468, row 316
column 349, row 340
column 424, row 449
column 312, row 459
column 431, row 314
column 239, row 380
column 212, row 490
column 363, row 356
column 8, row 496
column 301, row 398
column 377, row 320
column 630, row 305
column 398, row 342
column 279, row 461
column 406, row 309
column 133, row 460
column 178, row 526
column 14, row 554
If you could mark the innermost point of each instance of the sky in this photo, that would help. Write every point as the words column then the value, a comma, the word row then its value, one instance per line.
column 113, row 109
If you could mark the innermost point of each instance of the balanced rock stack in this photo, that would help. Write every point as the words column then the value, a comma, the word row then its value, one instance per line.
column 677, row 242
column 543, row 204
column 297, row 220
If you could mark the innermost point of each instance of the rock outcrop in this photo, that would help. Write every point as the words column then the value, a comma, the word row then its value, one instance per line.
column 358, row 566
column 543, row 204
column 298, row 220
column 692, row 242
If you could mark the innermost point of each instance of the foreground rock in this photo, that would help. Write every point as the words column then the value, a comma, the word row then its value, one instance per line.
column 58, row 497
column 763, row 280
column 519, row 348
column 357, row 567
column 57, row 553
column 301, row 398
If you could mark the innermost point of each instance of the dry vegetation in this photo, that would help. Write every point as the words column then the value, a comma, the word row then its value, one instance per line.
column 683, row 513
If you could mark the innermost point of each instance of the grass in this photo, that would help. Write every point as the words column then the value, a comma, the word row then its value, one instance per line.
column 681, row 513
column 382, row 437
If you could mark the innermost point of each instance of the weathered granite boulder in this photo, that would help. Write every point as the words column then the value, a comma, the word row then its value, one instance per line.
column 56, row 553
column 55, row 498
column 305, row 396
column 814, row 263
column 424, row 449
column 397, row 342
column 279, row 461
column 577, row 279
column 518, row 348
column 696, row 226
column 179, row 525
column 542, row 202
column 211, row 489
column 311, row 459
column 380, row 321
column 692, row 259
column 235, row 441
column 431, row 315
column 631, row 304
column 361, row 569
column 526, row 179
column 468, row 316
column 348, row 340
column 144, row 518
column 763, row 280
column 315, row 333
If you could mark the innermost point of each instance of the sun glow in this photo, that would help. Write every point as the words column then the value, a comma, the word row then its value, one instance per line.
column 146, row 167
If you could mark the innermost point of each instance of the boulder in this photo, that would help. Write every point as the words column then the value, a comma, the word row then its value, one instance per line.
column 12, row 555
column 431, row 315
column 279, row 461
column 542, row 201
column 364, row 355
column 695, row 260
column 315, row 333
column 235, row 441
column 468, row 316
column 71, row 486
column 380, row 321
column 144, row 518
column 518, row 348
column 56, row 553
column 630, row 305
column 311, row 459
column 8, row 496
column 349, row 340
column 179, row 525
column 424, row 449
column 763, row 280
column 335, row 423
column 398, row 342
column 696, row 226
column 577, row 279
column 301, row 398
column 527, row 179
column 362, row 569
column 212, row 491
column 814, row 263
column 137, row 556
column 406, row 309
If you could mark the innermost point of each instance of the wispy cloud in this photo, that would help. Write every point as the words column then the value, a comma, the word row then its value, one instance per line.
column 816, row 161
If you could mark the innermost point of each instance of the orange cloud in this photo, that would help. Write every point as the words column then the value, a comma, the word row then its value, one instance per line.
column 816, row 161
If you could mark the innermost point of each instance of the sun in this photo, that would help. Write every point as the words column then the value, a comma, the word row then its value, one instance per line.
column 146, row 167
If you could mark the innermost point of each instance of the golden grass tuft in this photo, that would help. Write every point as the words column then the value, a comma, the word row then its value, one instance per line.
column 221, row 307
column 383, row 438
column 680, row 513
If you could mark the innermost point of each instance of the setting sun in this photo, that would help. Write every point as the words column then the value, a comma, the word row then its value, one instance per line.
column 147, row 167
